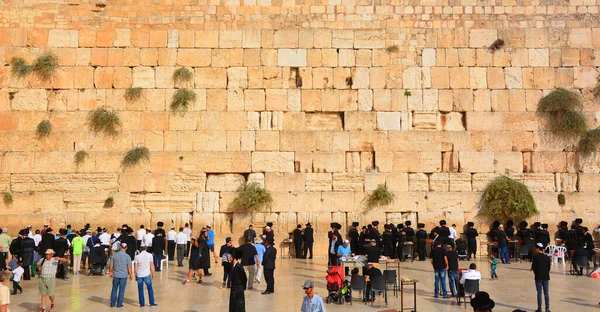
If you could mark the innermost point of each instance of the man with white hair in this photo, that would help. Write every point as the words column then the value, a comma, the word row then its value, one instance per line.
column 260, row 250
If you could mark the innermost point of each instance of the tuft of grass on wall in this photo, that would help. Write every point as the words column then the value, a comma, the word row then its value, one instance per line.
column 392, row 49
column 80, row 157
column 588, row 145
column 43, row 129
column 133, row 94
column 104, row 120
column 496, row 45
column 19, row 68
column 251, row 197
column 181, row 76
column 135, row 156
column 7, row 198
column 561, row 199
column 45, row 66
column 109, row 202
column 380, row 197
column 561, row 112
column 182, row 100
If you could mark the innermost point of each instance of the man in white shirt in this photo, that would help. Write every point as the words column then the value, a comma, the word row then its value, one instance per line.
column 181, row 241
column 188, row 232
column 171, row 243
column 144, row 274
column 139, row 235
column 471, row 274
column 453, row 234
column 37, row 238
column 104, row 239
column 86, row 248
column 147, row 240
column 116, row 243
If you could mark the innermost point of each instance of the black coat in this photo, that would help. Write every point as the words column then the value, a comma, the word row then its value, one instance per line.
column 297, row 236
column 131, row 245
column 204, row 254
column 15, row 246
column 250, row 233
column 61, row 246
column 388, row 243
column 46, row 243
column 269, row 258
column 237, row 302
column 410, row 234
column 354, row 242
column 309, row 235
column 27, row 247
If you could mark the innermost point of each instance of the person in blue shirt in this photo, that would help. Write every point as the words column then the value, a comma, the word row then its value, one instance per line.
column 260, row 250
column 344, row 250
column 312, row 302
column 211, row 242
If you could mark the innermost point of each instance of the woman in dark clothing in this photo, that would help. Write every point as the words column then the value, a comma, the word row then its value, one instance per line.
column 237, row 301
column 471, row 234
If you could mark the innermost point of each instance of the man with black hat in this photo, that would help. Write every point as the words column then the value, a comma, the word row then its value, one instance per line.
column 158, row 248
column 540, row 265
column 159, row 228
column 131, row 242
column 364, row 240
column 561, row 234
column 388, row 241
column 61, row 249
column 354, row 237
column 444, row 232
column 410, row 232
column 297, row 234
column 482, row 302
column 543, row 235
column 334, row 243
column 588, row 242
column 471, row 234
column 268, row 264
column 237, row 301
column 26, row 253
column 309, row 239
column 335, row 230
column 421, row 239
column 525, row 240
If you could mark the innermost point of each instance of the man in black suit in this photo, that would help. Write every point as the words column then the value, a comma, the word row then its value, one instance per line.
column 268, row 264
column 308, row 240
column 298, row 240
column 334, row 243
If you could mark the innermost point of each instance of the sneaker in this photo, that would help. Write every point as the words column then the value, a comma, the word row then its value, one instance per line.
column 44, row 310
column 186, row 282
column 199, row 282
column 52, row 307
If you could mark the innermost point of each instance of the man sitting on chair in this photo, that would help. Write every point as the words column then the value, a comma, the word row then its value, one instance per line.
column 471, row 274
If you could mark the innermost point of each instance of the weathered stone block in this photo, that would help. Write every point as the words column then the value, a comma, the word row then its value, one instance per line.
column 30, row 100
column 508, row 162
column 143, row 77
column 418, row 182
column 291, row 57
column 348, row 182
column 476, row 161
column 329, row 161
column 224, row 182
column 272, row 162
column 388, row 121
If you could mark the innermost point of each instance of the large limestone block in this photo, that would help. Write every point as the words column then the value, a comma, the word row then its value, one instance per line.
column 589, row 182
column 537, row 182
column 580, row 38
column 258, row 178
column 460, row 182
column 373, row 180
column 481, row 180
column 418, row 182
column 291, row 57
column 425, row 121
column 306, row 202
column 439, row 182
column 210, row 78
column 222, row 161
column 317, row 182
column 342, row 39
column 397, row 182
column 412, row 78
column 63, row 38
column 452, row 121
column 230, row 39
column 329, row 162
column 323, row 121
column 169, row 203
column 285, row 182
column 340, row 201
column 492, row 121
column 361, row 121
column 224, row 182
column 95, row 182
column 389, row 120
column 290, row 141
column 568, row 182
column 30, row 100
column 285, row 38
column 506, row 162
column 428, row 57
column 272, row 162
column 476, row 161
column 369, row 39
column 482, row 38
column 348, row 182
column 187, row 182
column 207, row 202
column 549, row 161
column 585, row 77
column 237, row 77
column 143, row 77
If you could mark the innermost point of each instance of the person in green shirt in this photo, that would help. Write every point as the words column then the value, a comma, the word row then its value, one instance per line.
column 77, row 243
column 4, row 242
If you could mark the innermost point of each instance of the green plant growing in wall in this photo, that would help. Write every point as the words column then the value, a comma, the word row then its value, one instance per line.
column 105, row 121
column 380, row 197
column 392, row 49
column 135, row 156
column 109, row 202
column 407, row 93
column 45, row 66
column 251, row 197
column 561, row 199
column 506, row 199
column 133, row 94
column 561, row 112
column 80, row 157
column 496, row 45
column 19, row 68
column 7, row 198
column 182, row 76
column 588, row 144
column 182, row 100
column 596, row 90
column 43, row 129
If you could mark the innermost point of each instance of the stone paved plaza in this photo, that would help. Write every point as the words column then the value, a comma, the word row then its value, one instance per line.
column 514, row 289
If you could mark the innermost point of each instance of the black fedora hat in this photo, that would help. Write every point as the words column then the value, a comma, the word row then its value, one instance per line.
column 407, row 223
column 354, row 223
column 470, row 223
column 308, row 224
column 482, row 301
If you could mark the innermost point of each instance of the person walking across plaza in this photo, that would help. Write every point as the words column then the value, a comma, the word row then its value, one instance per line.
column 17, row 276
column 260, row 251
column 311, row 302
column 144, row 274
column 226, row 261
column 120, row 269
column 268, row 264
column 77, row 244
column 249, row 261
column 540, row 265
column 181, row 240
column 47, row 267
column 158, row 248
column 493, row 265
column 440, row 266
column 210, row 242
column 237, row 300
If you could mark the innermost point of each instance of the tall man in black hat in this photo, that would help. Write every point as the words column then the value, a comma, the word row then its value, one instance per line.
column 27, row 248
column 525, row 240
column 543, row 236
column 354, row 238
column 421, row 239
column 562, row 232
column 482, row 302
column 297, row 234
column 388, row 241
column 334, row 243
column 309, row 239
column 471, row 234
column 444, row 232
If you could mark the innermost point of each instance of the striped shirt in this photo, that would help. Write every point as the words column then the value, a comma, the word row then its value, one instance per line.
column 48, row 268
column 120, row 261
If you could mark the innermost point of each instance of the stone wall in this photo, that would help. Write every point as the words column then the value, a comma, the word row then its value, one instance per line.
column 305, row 97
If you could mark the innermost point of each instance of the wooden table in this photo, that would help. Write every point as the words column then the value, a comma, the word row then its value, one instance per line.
column 408, row 282
column 391, row 262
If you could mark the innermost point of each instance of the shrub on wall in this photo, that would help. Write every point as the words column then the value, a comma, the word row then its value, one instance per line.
column 7, row 198
column 561, row 111
column 80, row 157
column 506, row 199
column 588, row 145
column 182, row 100
column 104, row 120
column 134, row 156
column 251, row 197
column 19, row 68
column 380, row 197
column 182, row 76
column 43, row 129
column 45, row 66
column 561, row 199
column 133, row 94
column 109, row 202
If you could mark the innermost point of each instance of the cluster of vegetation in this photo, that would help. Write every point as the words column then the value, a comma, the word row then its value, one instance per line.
column 135, row 156
column 133, row 94
column 183, row 97
column 7, row 198
column 506, row 199
column 561, row 199
column 251, row 197
column 392, row 49
column 80, row 157
column 380, row 197
column 104, row 120
column 496, row 45
column 43, row 129
column 43, row 67
column 109, row 202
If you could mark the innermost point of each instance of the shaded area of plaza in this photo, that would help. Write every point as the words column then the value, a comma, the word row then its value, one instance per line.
column 514, row 289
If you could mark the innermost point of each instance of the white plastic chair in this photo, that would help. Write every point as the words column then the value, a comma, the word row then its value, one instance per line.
column 549, row 250
column 559, row 252
column 165, row 261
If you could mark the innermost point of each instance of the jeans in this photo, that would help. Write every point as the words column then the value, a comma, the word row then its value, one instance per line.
column 227, row 274
column 440, row 278
column 453, row 279
column 503, row 251
column 270, row 279
column 180, row 254
column 538, row 286
column 250, row 269
column 493, row 273
column 148, row 281
column 118, row 283
column 157, row 260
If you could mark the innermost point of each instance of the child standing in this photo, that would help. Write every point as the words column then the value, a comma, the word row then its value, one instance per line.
column 493, row 264
column 18, row 274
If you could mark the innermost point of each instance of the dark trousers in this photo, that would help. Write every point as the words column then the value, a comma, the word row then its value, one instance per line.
column 227, row 274
column 308, row 246
column 270, row 279
column 298, row 250
column 187, row 253
column 27, row 273
column 333, row 259
column 157, row 260
column 171, row 250
column 16, row 287
column 139, row 244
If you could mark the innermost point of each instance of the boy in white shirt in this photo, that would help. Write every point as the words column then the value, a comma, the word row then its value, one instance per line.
column 18, row 274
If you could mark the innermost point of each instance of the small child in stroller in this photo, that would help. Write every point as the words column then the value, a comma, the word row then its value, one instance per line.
column 337, row 287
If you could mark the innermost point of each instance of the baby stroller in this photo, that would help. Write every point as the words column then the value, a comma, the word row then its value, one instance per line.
column 97, row 260
column 579, row 261
column 461, row 249
column 337, row 287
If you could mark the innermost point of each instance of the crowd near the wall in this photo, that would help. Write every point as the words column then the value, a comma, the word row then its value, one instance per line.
column 129, row 253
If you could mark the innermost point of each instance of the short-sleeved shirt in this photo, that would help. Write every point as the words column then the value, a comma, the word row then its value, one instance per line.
column 344, row 251
column 312, row 305
column 18, row 272
column 260, row 251
column 188, row 233
column 181, row 238
column 5, row 242
column 144, row 260
column 78, row 244
column 48, row 267
column 248, row 253
column 452, row 256
column 437, row 255
column 211, row 237
column 120, row 261
column 4, row 296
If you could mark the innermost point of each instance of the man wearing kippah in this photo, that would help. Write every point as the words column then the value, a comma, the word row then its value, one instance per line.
column 120, row 269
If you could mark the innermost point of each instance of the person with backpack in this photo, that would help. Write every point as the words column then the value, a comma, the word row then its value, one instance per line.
column 226, row 261
column 47, row 267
